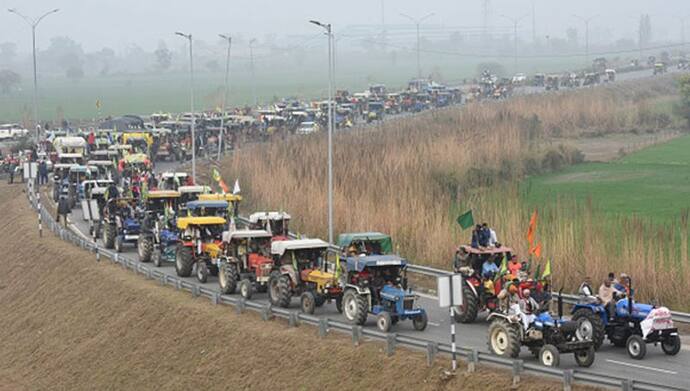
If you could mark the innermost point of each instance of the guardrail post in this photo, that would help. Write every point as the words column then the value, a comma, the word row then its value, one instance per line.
column 517, row 369
column 98, row 254
column 627, row 385
column 162, row 280
column 116, row 258
column 292, row 319
column 567, row 380
column 472, row 359
column 356, row 334
column 215, row 298
column 195, row 290
column 148, row 274
column 390, row 344
column 431, row 350
column 241, row 304
column 323, row 327
column 267, row 313
column 178, row 284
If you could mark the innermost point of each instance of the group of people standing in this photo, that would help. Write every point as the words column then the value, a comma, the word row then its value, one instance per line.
column 484, row 236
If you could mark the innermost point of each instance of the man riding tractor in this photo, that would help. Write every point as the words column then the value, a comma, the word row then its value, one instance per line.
column 247, row 260
column 303, row 270
column 120, row 223
column 647, row 324
column 173, row 180
column 188, row 194
column 274, row 222
column 158, row 238
column 376, row 283
column 232, row 199
column 545, row 336
column 200, row 241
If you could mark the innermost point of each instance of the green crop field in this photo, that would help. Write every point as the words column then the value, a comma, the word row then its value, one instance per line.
column 653, row 183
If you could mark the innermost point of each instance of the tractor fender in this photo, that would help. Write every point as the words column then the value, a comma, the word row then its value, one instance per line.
column 596, row 308
column 290, row 271
column 474, row 290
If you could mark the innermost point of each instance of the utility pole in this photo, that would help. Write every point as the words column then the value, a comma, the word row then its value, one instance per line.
column 251, row 64
column 586, row 21
column 221, row 132
column 188, row 37
column 417, row 23
column 331, row 120
column 485, row 15
column 515, row 22
column 534, row 24
column 33, row 23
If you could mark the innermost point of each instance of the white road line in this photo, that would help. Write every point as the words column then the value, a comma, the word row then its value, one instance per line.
column 424, row 295
column 642, row 367
column 434, row 324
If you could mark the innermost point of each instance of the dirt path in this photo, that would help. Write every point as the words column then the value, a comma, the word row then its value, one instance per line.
column 70, row 323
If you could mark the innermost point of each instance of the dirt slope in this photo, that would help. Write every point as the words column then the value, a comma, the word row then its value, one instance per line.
column 70, row 323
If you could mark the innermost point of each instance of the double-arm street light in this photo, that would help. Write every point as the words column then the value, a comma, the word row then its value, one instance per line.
column 221, row 132
column 515, row 22
column 191, row 100
column 586, row 21
column 417, row 22
column 33, row 23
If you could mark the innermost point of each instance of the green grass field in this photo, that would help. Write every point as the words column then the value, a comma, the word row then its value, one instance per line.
column 653, row 183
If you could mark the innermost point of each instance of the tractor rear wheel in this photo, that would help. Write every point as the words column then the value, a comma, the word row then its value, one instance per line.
column 636, row 347
column 227, row 278
column 109, row 233
column 549, row 356
column 339, row 304
column 590, row 326
column 145, row 248
column 671, row 345
column 355, row 307
column 157, row 258
column 504, row 339
column 585, row 358
column 246, row 289
column 308, row 301
column 184, row 261
column 467, row 312
column 420, row 322
column 279, row 290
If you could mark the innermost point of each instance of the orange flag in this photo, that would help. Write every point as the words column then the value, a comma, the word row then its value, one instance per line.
column 537, row 250
column 532, row 229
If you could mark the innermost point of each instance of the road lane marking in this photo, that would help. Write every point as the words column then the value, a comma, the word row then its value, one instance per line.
column 434, row 324
column 642, row 367
column 426, row 296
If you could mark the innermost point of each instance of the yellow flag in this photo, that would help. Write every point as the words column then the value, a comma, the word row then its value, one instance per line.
column 547, row 270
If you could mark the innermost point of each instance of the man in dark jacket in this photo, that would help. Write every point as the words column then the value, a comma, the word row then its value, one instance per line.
column 63, row 209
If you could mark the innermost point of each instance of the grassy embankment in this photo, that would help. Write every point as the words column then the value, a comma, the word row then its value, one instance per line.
column 412, row 177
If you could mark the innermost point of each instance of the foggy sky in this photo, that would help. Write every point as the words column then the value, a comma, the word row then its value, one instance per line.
column 119, row 23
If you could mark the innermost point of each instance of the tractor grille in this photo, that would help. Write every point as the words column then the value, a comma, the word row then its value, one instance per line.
column 408, row 304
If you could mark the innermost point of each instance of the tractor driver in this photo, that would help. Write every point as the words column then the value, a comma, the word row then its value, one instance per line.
column 607, row 295
column 528, row 307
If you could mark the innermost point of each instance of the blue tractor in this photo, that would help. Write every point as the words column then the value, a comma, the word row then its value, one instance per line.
column 646, row 324
column 546, row 336
column 120, row 223
column 376, row 283
column 158, row 238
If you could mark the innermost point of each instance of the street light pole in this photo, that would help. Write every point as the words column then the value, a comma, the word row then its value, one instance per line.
column 251, row 64
column 515, row 22
column 191, row 101
column 331, row 122
column 221, row 132
column 586, row 21
column 417, row 23
column 33, row 23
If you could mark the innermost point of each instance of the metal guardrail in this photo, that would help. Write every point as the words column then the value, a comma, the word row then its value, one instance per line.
column 325, row 325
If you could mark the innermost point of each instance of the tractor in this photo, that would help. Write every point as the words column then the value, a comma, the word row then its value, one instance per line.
column 545, row 336
column 199, row 243
column 95, row 190
column 173, row 180
column 206, row 208
column 274, row 222
column 190, row 193
column 552, row 82
column 660, row 68
column 232, row 199
column 480, row 292
column 158, row 238
column 247, row 261
column 303, row 270
column 120, row 223
column 376, row 283
column 645, row 325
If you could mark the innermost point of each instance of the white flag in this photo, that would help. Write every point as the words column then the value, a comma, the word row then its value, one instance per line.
column 236, row 188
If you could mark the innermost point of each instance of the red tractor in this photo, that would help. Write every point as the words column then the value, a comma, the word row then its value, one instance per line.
column 274, row 222
column 480, row 288
column 247, row 261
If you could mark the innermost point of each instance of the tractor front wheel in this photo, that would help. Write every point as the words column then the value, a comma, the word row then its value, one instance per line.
column 384, row 321
column 308, row 301
column 246, row 289
column 585, row 358
column 420, row 322
column 671, row 345
column 467, row 312
column 184, row 261
column 590, row 326
column 504, row 339
column 549, row 356
column 355, row 307
column 339, row 304
column 118, row 243
column 145, row 248
column 157, row 258
column 227, row 278
column 636, row 346
column 202, row 271
column 109, row 233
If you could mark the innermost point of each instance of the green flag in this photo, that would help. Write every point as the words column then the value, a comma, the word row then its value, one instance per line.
column 466, row 220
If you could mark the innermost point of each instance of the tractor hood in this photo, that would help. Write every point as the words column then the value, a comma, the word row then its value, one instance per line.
column 394, row 293
column 359, row 263
column 640, row 311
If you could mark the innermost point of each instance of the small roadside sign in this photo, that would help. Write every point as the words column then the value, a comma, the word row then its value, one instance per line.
column 450, row 290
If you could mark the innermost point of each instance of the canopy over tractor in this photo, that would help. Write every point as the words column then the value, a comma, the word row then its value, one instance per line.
column 366, row 242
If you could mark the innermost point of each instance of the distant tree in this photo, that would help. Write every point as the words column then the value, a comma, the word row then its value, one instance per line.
column 75, row 73
column 571, row 36
column 9, row 80
column 64, row 53
column 163, row 56
column 645, row 30
column 106, row 58
column 8, row 50
column 683, row 107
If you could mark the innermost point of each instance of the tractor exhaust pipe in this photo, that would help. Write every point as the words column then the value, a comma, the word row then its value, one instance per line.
column 560, row 304
column 630, row 299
